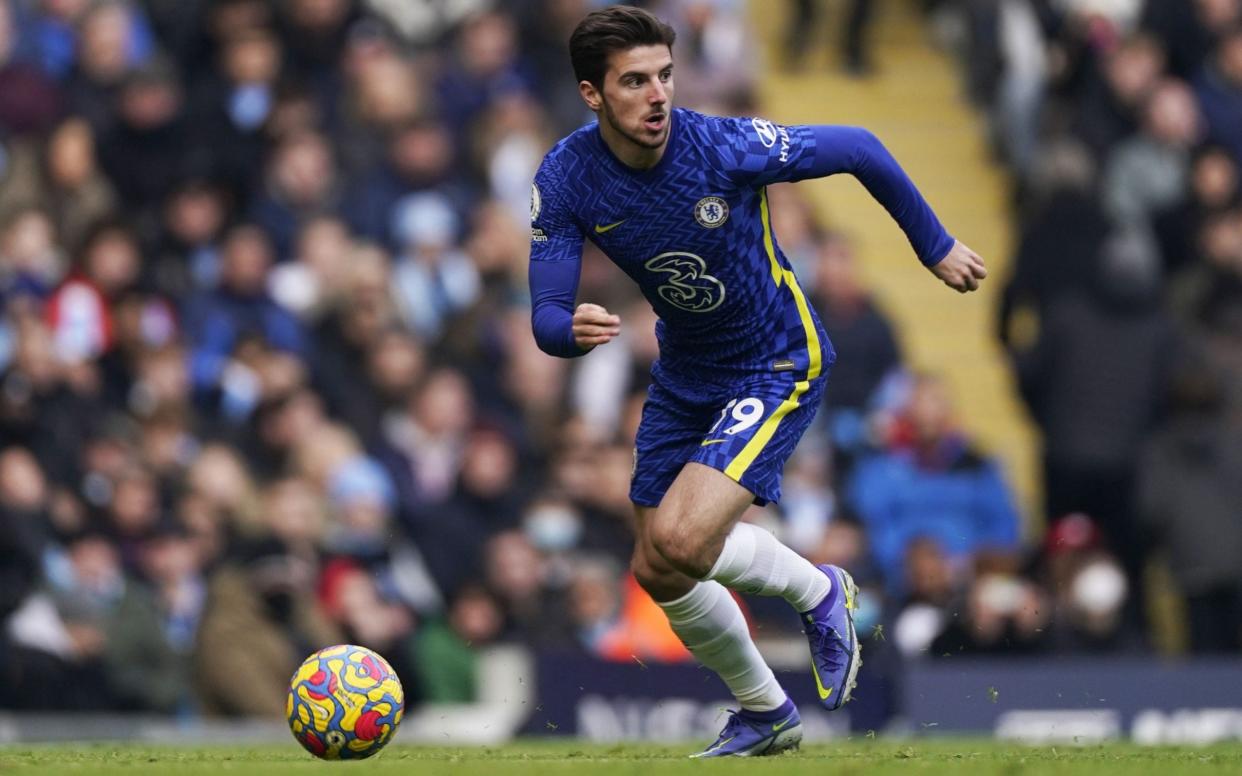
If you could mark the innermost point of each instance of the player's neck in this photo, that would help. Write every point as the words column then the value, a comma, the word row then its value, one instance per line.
column 628, row 152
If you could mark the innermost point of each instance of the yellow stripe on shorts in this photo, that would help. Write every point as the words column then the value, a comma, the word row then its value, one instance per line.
column 738, row 466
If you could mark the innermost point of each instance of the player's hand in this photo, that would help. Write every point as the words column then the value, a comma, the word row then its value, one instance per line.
column 962, row 269
column 593, row 325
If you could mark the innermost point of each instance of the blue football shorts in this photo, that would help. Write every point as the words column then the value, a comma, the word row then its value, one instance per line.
column 746, row 430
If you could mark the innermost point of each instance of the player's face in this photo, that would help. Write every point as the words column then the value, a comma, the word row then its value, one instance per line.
column 637, row 95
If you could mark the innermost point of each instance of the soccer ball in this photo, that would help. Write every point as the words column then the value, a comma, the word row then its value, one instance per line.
column 345, row 702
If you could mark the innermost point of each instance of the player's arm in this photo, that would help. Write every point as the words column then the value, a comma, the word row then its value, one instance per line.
column 860, row 153
column 766, row 153
column 555, row 264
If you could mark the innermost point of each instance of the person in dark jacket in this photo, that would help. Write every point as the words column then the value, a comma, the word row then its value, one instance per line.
column 240, row 308
column 1094, row 383
column 1219, row 89
column 1190, row 498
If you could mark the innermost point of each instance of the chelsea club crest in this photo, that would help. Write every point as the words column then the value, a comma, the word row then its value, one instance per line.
column 711, row 212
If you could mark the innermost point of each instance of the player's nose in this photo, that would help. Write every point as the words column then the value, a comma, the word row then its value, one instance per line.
column 657, row 95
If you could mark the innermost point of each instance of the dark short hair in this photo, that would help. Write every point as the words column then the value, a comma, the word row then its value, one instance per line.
column 615, row 28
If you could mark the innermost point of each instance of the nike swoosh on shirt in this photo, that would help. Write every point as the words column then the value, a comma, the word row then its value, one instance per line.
column 601, row 229
column 712, row 442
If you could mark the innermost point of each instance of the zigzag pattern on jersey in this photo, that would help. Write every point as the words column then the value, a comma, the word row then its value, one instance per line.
column 755, row 322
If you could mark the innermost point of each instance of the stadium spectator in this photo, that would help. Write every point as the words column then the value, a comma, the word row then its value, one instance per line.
column 350, row 597
column 1095, row 382
column 866, row 345
column 1189, row 30
column 24, row 522
column 1089, row 590
column 434, row 280
column 931, row 483
column 485, row 65
column 427, row 440
column 1003, row 615
column 32, row 100
column 77, row 194
column 1219, row 88
column 261, row 620
column 80, row 311
column 30, row 256
column 518, row 575
column 865, row 342
column 301, row 182
column 187, row 250
column 235, row 102
column 1213, row 190
column 1109, row 105
column 447, row 664
column 174, row 570
column 262, row 280
column 220, row 323
column 113, row 624
column 1187, row 483
column 1149, row 171
column 420, row 157
column 925, row 612
column 311, row 283
column 490, row 496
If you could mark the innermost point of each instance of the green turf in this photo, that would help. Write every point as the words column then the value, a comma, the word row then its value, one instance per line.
column 864, row 758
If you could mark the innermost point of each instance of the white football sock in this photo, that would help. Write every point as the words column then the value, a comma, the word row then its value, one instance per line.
column 754, row 561
column 711, row 625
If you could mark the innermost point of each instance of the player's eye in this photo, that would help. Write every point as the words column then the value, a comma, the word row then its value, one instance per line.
column 667, row 74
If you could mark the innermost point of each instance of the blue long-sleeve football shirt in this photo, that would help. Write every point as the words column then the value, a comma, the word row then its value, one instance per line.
column 695, row 234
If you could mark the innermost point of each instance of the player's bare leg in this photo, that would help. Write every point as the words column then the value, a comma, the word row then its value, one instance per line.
column 708, row 620
column 697, row 530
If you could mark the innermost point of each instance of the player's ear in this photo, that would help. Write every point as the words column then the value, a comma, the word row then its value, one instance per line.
column 591, row 95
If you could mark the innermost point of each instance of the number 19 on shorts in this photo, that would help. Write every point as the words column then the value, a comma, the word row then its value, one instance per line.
column 742, row 414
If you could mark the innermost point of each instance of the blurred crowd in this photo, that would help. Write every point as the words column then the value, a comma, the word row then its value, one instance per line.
column 1122, row 124
column 267, row 380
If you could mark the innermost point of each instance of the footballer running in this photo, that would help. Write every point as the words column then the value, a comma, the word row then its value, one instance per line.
column 677, row 200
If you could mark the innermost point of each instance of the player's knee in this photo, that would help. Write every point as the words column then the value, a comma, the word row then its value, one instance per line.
column 681, row 548
column 660, row 582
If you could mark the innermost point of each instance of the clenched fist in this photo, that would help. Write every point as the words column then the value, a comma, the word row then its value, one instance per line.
column 593, row 325
column 961, row 269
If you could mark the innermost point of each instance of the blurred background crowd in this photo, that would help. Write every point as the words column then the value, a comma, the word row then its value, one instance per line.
column 267, row 380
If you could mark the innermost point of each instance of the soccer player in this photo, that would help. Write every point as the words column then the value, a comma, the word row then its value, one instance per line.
column 677, row 200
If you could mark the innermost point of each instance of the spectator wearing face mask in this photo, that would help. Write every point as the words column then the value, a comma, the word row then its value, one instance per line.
column 1089, row 590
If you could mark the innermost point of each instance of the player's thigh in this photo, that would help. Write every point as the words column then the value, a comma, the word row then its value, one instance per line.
column 756, row 431
column 697, row 513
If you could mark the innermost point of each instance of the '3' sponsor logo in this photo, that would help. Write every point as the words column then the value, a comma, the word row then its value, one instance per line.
column 688, row 286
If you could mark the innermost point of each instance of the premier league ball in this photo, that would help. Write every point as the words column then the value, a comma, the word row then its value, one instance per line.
column 345, row 702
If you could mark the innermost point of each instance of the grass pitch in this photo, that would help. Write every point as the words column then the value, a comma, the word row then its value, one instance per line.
column 536, row 758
